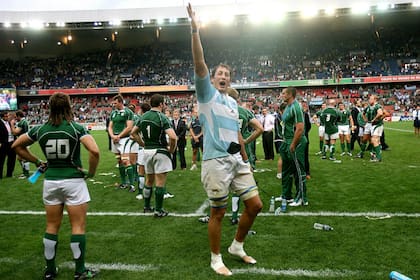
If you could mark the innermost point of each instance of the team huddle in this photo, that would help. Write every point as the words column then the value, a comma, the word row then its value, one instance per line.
column 339, row 123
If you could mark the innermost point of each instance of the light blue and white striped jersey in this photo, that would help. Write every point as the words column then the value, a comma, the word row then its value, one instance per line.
column 218, row 115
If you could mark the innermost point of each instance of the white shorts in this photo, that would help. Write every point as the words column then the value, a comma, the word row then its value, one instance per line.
column 140, row 156
column 230, row 173
column 129, row 146
column 116, row 148
column 66, row 191
column 344, row 129
column 156, row 163
column 361, row 131
column 331, row 137
column 321, row 130
column 374, row 130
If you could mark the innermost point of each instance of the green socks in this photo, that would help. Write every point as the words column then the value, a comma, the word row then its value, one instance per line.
column 78, row 247
column 159, row 193
column 50, row 247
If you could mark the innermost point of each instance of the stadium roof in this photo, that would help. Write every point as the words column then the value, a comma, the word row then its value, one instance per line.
column 56, row 14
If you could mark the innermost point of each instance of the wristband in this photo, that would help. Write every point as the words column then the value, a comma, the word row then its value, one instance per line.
column 194, row 31
column 246, row 161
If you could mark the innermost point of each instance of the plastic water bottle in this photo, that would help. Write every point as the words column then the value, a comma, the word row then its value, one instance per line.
column 394, row 275
column 322, row 227
column 34, row 177
column 283, row 205
column 272, row 204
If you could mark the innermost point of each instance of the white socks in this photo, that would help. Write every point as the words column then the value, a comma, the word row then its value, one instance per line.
column 237, row 249
column 218, row 266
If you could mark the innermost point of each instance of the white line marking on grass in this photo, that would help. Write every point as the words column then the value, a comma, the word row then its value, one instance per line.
column 188, row 215
column 398, row 129
column 201, row 210
column 325, row 273
column 10, row 260
column 115, row 266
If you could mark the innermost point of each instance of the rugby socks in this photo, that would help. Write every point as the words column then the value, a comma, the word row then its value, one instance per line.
column 25, row 167
column 78, row 247
column 159, row 193
column 235, row 207
column 332, row 150
column 348, row 147
column 325, row 149
column 343, row 147
column 50, row 247
column 147, row 195
column 130, row 173
column 141, row 184
column 378, row 151
column 121, row 167
column 135, row 173
column 321, row 145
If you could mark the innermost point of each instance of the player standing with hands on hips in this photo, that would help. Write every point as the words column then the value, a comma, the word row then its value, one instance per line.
column 225, row 165
column 60, row 138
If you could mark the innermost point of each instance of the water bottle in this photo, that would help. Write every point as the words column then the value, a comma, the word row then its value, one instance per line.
column 283, row 205
column 322, row 227
column 394, row 275
column 34, row 177
column 272, row 204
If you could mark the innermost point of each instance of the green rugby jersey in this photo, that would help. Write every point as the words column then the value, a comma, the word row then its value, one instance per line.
column 330, row 117
column 245, row 116
column 371, row 112
column 360, row 120
column 292, row 114
column 152, row 126
column 344, row 117
column 23, row 125
column 61, row 147
column 318, row 115
column 119, row 119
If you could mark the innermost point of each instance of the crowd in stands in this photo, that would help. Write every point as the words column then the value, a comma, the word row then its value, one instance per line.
column 96, row 108
column 316, row 56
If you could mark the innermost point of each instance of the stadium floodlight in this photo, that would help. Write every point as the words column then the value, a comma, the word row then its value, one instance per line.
column 256, row 18
column 173, row 20
column 12, row 42
column 23, row 24
column 416, row 4
column 36, row 24
column 360, row 8
column 309, row 12
column 383, row 6
column 59, row 43
column 115, row 22
column 7, row 24
column 226, row 19
column 60, row 24
column 329, row 11
column 160, row 21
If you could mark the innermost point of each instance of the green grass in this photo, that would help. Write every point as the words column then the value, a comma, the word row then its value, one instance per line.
column 286, row 246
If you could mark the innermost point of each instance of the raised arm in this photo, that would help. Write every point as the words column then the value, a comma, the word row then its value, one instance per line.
column 200, row 67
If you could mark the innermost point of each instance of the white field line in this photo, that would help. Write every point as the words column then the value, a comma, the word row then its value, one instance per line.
column 201, row 210
column 187, row 215
column 115, row 266
column 398, row 129
column 324, row 273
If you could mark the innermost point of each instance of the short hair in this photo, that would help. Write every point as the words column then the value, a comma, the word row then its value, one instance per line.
column 118, row 98
column 132, row 107
column 232, row 92
column 20, row 114
column 145, row 107
column 213, row 72
column 291, row 90
column 156, row 100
